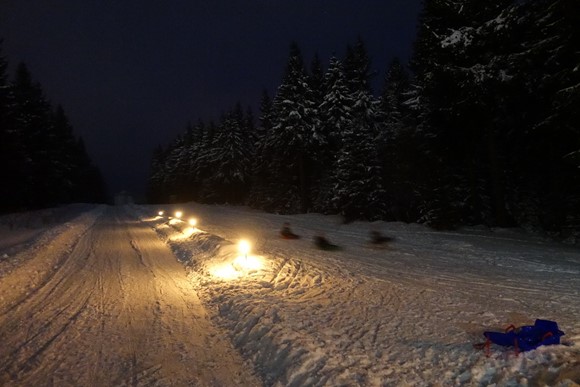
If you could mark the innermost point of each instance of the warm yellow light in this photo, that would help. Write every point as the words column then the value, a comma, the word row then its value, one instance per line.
column 248, row 263
column 178, row 214
column 192, row 222
column 224, row 272
column 161, row 213
column 174, row 222
column 244, row 247
column 241, row 267
column 188, row 231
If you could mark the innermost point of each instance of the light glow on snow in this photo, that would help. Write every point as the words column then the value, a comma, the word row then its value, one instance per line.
column 224, row 271
column 184, row 234
column 188, row 232
column 174, row 221
column 240, row 266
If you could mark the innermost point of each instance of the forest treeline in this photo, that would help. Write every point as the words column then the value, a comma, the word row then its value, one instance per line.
column 482, row 126
column 42, row 163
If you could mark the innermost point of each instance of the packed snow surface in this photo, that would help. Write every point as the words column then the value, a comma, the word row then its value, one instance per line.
column 407, row 313
column 98, row 296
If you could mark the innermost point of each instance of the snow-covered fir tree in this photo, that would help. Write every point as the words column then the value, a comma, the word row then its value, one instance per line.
column 335, row 113
column 357, row 66
column 449, row 61
column 260, row 195
column 358, row 191
column 543, row 102
column 295, row 136
column 229, row 157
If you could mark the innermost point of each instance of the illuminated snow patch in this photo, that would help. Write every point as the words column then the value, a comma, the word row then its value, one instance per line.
column 238, row 267
column 185, row 233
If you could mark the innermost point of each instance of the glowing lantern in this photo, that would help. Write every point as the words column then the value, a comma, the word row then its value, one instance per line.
column 192, row 222
column 244, row 247
column 178, row 214
column 161, row 213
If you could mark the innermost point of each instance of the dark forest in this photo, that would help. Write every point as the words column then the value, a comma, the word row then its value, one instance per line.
column 481, row 127
column 42, row 163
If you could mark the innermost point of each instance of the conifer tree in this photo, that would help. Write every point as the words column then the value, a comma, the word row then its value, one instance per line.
column 316, row 80
column 450, row 62
column 155, row 188
column 230, row 159
column 295, row 135
column 544, row 79
column 336, row 116
column 357, row 65
column 10, row 158
column 33, row 133
column 358, row 189
column 261, row 194
column 398, row 152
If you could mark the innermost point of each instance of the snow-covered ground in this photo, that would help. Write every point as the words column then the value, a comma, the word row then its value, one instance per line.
column 405, row 314
column 100, row 300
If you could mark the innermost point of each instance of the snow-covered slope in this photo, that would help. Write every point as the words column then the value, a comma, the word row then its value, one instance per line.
column 405, row 314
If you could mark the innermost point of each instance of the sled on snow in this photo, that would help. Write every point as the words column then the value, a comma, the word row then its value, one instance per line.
column 524, row 338
column 286, row 232
column 323, row 244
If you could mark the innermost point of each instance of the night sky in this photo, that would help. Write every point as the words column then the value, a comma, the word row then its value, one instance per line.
column 131, row 74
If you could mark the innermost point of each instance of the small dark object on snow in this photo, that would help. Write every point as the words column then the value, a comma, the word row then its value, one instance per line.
column 379, row 239
column 526, row 338
column 287, row 233
column 322, row 243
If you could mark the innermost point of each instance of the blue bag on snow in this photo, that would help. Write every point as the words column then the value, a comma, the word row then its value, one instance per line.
column 526, row 338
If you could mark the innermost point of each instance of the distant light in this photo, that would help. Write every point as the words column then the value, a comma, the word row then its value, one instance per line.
column 161, row 213
column 192, row 222
column 178, row 214
column 244, row 247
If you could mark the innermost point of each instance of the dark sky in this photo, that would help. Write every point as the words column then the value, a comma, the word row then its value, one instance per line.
column 131, row 74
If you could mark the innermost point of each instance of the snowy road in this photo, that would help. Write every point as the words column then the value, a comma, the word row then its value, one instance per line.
column 104, row 302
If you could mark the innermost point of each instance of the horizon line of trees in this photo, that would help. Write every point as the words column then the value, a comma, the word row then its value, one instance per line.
column 483, row 129
column 42, row 163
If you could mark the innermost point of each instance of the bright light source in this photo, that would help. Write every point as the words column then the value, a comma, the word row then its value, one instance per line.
column 161, row 213
column 192, row 222
column 178, row 214
column 188, row 232
column 244, row 247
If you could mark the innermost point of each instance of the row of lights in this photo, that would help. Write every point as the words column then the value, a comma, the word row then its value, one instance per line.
column 244, row 246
